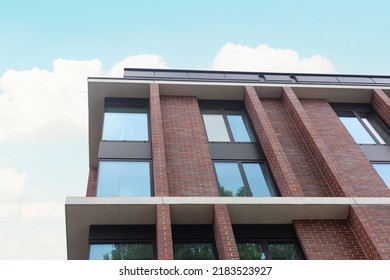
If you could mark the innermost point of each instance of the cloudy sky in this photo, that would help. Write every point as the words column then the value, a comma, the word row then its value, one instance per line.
column 49, row 48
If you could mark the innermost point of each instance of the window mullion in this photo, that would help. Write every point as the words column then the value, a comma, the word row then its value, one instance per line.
column 227, row 125
column 244, row 179
column 365, row 127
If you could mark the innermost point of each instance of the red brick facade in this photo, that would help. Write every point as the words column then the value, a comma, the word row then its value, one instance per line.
column 344, row 165
column 381, row 104
column 92, row 182
column 224, row 236
column 160, row 177
column 191, row 172
column 164, row 233
column 306, row 171
column 328, row 240
column 371, row 224
column 310, row 154
column 280, row 166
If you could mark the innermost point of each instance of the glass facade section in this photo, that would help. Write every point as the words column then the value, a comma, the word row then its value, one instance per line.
column 193, row 251
column 357, row 130
column 283, row 251
column 215, row 128
column 126, row 251
column 251, row 251
column 230, row 180
column 239, row 126
column 125, row 124
column 259, row 180
column 244, row 179
column 383, row 170
column 123, row 178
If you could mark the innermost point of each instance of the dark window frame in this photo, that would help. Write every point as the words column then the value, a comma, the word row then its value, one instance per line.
column 136, row 103
column 123, row 234
column 265, row 235
column 244, row 176
column 360, row 111
column 223, row 106
column 150, row 161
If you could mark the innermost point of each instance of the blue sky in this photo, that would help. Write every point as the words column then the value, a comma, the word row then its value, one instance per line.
column 49, row 48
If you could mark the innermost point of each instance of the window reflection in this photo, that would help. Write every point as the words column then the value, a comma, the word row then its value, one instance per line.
column 126, row 124
column 357, row 130
column 122, row 178
column 383, row 170
column 194, row 251
column 251, row 251
column 129, row 251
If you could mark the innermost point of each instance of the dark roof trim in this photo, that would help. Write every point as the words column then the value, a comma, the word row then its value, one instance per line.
column 253, row 77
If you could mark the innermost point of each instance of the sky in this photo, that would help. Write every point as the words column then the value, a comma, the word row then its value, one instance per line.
column 49, row 48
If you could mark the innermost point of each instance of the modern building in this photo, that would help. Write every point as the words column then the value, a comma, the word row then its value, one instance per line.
column 235, row 165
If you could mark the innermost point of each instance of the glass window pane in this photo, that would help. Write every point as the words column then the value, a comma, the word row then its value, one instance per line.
column 357, row 130
column 215, row 128
column 229, row 179
column 121, row 178
column 258, row 179
column 373, row 131
column 239, row 127
column 383, row 170
column 283, row 251
column 125, row 124
column 251, row 251
column 193, row 251
column 130, row 251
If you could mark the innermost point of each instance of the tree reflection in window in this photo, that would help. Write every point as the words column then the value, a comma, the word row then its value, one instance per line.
column 193, row 251
column 251, row 251
column 283, row 251
column 130, row 251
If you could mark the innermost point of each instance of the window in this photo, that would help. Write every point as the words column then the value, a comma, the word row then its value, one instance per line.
column 227, row 126
column 364, row 127
column 122, row 242
column 124, row 178
column 383, row 170
column 244, row 179
column 125, row 124
column 121, row 251
column 193, row 242
column 266, row 242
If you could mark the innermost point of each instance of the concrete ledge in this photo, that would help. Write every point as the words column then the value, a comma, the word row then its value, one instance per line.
column 81, row 212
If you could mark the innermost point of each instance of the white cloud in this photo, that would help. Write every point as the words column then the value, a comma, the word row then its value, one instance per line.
column 12, row 184
column 43, row 212
column 266, row 59
column 44, row 105
column 137, row 61
column 8, row 211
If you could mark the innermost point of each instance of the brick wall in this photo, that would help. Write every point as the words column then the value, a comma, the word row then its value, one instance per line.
column 381, row 104
column 92, row 182
column 328, row 240
column 302, row 162
column 160, row 176
column 223, row 232
column 281, row 168
column 344, row 165
column 190, row 170
column 164, row 233
column 371, row 224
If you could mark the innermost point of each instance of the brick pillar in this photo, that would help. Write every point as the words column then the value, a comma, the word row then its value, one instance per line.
column 223, row 232
column 286, row 181
column 381, row 104
column 328, row 240
column 164, row 233
column 92, row 182
column 343, row 164
column 371, row 225
column 160, row 177
column 191, row 171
